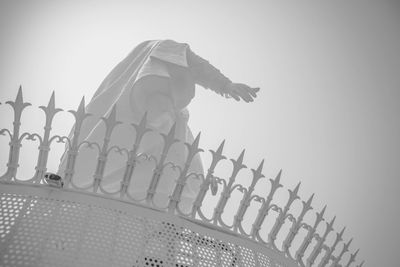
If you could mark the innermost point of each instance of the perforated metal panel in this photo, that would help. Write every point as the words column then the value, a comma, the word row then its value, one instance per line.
column 57, row 231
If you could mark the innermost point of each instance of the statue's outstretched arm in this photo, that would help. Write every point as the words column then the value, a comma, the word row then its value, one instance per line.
column 210, row 77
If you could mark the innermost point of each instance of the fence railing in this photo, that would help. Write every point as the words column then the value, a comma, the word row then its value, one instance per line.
column 312, row 240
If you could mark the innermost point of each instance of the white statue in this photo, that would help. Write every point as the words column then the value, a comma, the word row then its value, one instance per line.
column 157, row 77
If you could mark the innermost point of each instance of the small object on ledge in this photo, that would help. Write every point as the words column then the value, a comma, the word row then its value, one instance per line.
column 214, row 186
column 53, row 180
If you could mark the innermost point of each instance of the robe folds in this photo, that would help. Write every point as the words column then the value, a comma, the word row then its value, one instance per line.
column 128, row 86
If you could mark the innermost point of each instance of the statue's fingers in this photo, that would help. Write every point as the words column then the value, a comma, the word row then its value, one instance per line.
column 235, row 96
column 245, row 95
column 253, row 91
column 247, row 89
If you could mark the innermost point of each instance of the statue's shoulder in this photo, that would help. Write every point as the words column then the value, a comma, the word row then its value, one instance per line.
column 148, row 43
column 171, row 51
column 172, row 42
column 166, row 43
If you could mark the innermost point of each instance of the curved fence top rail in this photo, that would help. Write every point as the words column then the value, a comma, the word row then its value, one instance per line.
column 310, row 242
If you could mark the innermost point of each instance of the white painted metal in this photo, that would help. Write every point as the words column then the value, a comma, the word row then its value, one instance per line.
column 41, row 225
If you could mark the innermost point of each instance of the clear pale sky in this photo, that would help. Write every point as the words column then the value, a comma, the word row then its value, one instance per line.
column 328, row 109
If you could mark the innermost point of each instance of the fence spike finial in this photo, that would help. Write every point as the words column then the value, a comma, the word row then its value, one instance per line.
column 111, row 121
column 141, row 130
column 330, row 225
column 169, row 140
column 81, row 108
column 344, row 250
column 347, row 245
column 296, row 190
column 321, row 214
column 193, row 149
column 341, row 232
column 52, row 100
column 260, row 167
column 18, row 105
column 238, row 163
column 352, row 258
column 19, row 97
column 50, row 110
column 257, row 175
column 80, row 114
column 293, row 194
column 241, row 156
column 278, row 177
column 12, row 166
column 113, row 113
column 196, row 140
column 275, row 184
column 170, row 137
column 308, row 203
column 217, row 155
column 220, row 148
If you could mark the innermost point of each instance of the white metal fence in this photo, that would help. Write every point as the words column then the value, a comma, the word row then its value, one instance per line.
column 303, row 243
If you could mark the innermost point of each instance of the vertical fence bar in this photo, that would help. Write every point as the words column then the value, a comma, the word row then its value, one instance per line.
column 282, row 216
column 15, row 143
column 193, row 149
column 296, row 226
column 131, row 163
column 318, row 246
column 336, row 261
column 352, row 258
column 310, row 235
column 169, row 140
column 245, row 203
column 227, row 191
column 263, row 211
column 209, row 181
column 110, row 122
column 80, row 115
column 44, row 147
column 328, row 255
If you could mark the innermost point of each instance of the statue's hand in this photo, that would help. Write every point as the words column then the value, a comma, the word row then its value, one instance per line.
column 242, row 91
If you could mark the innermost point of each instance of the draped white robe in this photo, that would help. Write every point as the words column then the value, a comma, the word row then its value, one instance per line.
column 127, row 87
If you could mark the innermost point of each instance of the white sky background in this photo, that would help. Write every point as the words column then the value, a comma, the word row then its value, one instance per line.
column 328, row 110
